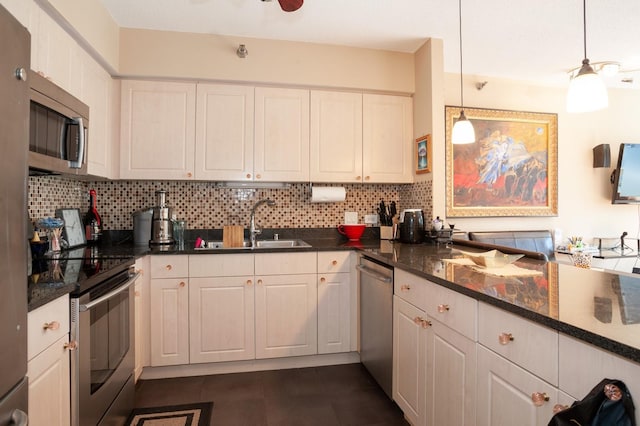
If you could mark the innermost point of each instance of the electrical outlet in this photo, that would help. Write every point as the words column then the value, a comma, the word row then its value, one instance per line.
column 350, row 218
column 371, row 219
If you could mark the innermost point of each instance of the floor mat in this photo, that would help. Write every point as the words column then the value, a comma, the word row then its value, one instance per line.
column 175, row 415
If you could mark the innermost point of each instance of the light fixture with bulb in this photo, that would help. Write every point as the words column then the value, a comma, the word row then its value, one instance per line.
column 587, row 91
column 462, row 132
column 242, row 51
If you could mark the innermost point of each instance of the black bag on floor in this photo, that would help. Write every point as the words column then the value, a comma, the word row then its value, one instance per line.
column 608, row 404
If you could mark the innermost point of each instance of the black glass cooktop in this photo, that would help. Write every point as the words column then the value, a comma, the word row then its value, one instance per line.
column 83, row 267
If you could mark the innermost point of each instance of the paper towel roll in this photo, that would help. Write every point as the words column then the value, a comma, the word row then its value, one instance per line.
column 328, row 194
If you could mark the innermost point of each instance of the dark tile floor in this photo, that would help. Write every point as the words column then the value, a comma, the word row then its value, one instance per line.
column 338, row 395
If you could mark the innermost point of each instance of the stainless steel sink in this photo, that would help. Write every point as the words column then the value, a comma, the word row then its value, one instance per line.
column 281, row 244
column 265, row 244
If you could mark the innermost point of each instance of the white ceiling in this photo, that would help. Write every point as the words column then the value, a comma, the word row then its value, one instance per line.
column 531, row 40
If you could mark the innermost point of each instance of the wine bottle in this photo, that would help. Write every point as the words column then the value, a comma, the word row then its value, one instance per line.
column 92, row 221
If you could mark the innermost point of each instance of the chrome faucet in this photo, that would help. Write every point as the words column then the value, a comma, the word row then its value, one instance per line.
column 253, row 231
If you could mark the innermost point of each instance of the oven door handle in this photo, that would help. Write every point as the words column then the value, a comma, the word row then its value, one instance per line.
column 123, row 287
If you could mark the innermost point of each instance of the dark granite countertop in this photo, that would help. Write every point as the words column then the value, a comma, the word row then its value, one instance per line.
column 598, row 307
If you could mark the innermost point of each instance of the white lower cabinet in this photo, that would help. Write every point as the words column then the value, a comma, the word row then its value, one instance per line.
column 48, row 365
column 169, row 321
column 506, row 393
column 409, row 360
column 334, row 313
column 451, row 377
column 286, row 319
column 221, row 318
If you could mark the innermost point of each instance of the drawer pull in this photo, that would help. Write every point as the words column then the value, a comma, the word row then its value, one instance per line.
column 168, row 267
column 443, row 308
column 358, row 178
column 505, row 338
column 72, row 345
column 182, row 284
column 422, row 322
column 559, row 407
column 259, row 282
column 334, row 263
column 249, row 282
column 539, row 398
column 323, row 279
column 405, row 287
column 53, row 325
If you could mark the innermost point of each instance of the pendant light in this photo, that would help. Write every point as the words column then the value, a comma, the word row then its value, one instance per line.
column 462, row 132
column 587, row 91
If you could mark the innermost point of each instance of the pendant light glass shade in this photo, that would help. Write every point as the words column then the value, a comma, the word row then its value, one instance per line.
column 587, row 91
column 463, row 131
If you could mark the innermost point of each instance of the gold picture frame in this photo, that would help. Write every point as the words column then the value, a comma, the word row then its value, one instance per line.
column 511, row 169
column 423, row 154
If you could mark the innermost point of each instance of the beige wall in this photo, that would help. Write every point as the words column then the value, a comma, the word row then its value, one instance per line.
column 583, row 191
column 145, row 53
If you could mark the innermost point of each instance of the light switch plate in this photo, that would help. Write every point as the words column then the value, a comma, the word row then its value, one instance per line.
column 350, row 218
column 371, row 219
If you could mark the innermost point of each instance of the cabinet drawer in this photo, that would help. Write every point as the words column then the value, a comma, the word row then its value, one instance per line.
column 534, row 347
column 409, row 287
column 169, row 266
column 220, row 265
column 453, row 309
column 47, row 324
column 286, row 263
column 334, row 261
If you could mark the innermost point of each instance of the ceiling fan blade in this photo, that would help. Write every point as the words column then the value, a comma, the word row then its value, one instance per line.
column 290, row 5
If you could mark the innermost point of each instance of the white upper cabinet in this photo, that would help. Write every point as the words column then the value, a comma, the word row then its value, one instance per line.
column 157, row 130
column 224, row 132
column 281, row 152
column 387, row 133
column 336, row 137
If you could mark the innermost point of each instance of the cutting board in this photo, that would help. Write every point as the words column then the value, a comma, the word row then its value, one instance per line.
column 232, row 236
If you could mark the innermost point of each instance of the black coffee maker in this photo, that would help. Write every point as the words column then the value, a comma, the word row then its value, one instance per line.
column 412, row 226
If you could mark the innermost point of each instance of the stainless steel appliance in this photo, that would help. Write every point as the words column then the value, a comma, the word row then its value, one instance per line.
column 15, row 43
column 161, row 224
column 58, row 129
column 142, row 220
column 412, row 226
column 376, row 320
column 102, row 324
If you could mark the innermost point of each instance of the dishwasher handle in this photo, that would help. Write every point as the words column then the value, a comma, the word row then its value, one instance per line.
column 377, row 275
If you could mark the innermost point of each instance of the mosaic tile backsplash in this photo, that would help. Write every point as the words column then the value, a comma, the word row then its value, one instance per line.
column 204, row 205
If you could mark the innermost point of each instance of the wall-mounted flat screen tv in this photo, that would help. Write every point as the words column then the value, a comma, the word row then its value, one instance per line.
column 626, row 177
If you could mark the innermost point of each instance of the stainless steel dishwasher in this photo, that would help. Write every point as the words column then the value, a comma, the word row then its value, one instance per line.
column 376, row 320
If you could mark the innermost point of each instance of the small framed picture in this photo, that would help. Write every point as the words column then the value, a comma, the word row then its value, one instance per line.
column 423, row 154
column 73, row 232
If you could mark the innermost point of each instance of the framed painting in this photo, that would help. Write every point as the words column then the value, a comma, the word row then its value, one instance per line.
column 423, row 154
column 511, row 169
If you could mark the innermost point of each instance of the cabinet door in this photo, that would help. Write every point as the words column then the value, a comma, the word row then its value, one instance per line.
column 336, row 137
column 286, row 319
column 157, row 130
column 224, row 132
column 49, row 386
column 97, row 92
column 281, row 151
column 169, row 321
column 505, row 393
column 409, row 360
column 451, row 377
column 387, row 134
column 334, row 322
column 221, row 312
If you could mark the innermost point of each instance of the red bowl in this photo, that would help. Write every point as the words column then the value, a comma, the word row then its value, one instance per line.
column 352, row 232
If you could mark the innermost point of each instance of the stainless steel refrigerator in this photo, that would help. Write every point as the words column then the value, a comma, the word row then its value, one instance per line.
column 15, row 45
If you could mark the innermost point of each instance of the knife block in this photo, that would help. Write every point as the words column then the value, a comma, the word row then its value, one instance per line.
column 386, row 232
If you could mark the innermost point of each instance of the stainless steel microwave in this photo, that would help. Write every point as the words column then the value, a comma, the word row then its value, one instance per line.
column 58, row 129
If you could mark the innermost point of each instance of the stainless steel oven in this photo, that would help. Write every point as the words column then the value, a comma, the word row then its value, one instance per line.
column 102, row 325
